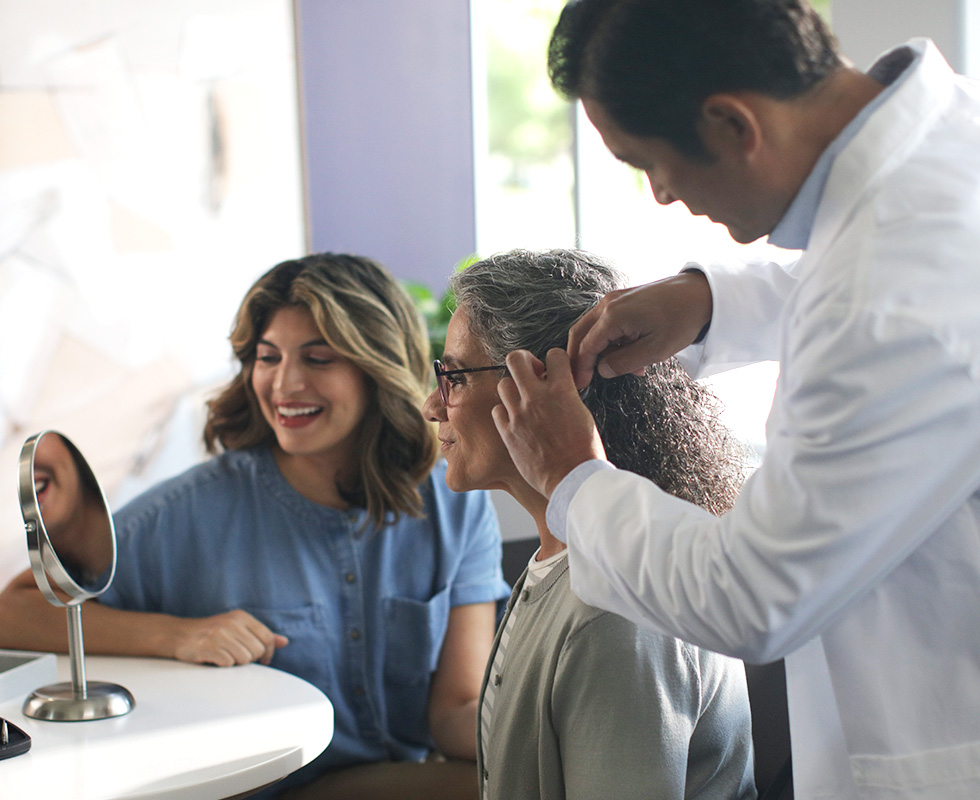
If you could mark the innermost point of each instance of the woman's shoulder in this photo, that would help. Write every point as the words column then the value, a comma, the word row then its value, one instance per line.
column 593, row 627
column 610, row 638
column 214, row 481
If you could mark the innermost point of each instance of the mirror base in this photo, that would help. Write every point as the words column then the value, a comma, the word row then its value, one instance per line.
column 59, row 703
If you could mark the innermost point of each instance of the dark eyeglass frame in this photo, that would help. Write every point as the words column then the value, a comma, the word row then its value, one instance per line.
column 442, row 372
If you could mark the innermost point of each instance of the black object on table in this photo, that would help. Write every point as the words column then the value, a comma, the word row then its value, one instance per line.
column 13, row 741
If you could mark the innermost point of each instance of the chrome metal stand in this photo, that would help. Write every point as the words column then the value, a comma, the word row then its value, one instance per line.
column 78, row 700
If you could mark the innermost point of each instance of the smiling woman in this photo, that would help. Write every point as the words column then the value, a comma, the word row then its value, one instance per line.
column 312, row 334
column 320, row 539
column 313, row 399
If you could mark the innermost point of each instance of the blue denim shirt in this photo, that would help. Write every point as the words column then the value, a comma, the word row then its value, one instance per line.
column 365, row 611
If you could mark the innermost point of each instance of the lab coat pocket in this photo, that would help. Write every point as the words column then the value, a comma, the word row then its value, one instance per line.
column 950, row 773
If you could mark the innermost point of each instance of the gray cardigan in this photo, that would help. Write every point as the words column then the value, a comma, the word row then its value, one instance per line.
column 589, row 706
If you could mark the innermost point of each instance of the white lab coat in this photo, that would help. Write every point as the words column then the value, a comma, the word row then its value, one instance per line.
column 854, row 550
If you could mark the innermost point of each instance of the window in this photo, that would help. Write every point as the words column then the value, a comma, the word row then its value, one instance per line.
column 525, row 166
column 545, row 179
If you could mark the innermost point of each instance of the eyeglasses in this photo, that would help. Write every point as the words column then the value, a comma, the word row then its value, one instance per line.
column 442, row 372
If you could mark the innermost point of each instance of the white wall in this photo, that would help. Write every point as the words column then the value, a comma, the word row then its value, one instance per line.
column 149, row 171
column 867, row 28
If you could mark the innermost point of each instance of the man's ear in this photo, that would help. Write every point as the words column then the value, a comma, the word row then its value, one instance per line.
column 729, row 124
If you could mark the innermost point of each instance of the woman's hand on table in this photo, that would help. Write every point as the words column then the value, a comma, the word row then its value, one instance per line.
column 234, row 637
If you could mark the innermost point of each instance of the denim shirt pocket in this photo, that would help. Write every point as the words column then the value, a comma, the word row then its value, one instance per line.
column 312, row 644
column 414, row 632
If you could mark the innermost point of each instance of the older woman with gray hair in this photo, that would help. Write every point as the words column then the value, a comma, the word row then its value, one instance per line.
column 578, row 702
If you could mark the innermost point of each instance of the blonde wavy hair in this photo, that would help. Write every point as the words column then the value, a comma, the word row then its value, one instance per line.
column 365, row 316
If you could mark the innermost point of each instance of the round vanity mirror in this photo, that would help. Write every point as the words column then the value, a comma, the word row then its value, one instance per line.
column 72, row 547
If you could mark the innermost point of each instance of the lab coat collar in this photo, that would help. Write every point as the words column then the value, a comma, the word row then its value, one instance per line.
column 882, row 143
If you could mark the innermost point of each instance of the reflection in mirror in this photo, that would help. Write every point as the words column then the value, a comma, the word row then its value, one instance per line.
column 74, row 512
column 72, row 544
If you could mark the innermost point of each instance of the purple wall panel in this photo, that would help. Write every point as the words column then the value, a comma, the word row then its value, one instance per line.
column 388, row 126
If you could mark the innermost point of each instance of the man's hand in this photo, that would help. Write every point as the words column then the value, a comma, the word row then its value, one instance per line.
column 632, row 328
column 235, row 637
column 543, row 422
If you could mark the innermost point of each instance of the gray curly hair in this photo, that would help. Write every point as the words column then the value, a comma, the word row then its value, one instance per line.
column 663, row 425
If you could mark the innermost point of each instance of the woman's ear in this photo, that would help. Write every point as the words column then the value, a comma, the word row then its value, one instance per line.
column 730, row 126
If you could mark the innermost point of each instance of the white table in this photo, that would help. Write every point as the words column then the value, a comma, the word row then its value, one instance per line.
column 196, row 733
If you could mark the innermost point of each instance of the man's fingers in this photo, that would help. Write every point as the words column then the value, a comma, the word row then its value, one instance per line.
column 529, row 376
column 524, row 368
column 501, row 418
column 614, row 349
column 559, row 370
column 585, row 346
column 630, row 329
column 632, row 358
column 510, row 398
column 507, row 391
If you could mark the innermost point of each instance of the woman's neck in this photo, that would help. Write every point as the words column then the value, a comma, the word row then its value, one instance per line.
column 317, row 479
column 537, row 506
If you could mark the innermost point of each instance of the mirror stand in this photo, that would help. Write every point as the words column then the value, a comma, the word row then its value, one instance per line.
column 72, row 541
column 80, row 699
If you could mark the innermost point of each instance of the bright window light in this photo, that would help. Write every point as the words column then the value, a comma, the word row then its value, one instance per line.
column 545, row 179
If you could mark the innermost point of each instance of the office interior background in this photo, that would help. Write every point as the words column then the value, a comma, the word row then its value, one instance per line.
column 156, row 157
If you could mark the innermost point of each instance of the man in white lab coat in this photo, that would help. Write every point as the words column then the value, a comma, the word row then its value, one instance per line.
column 854, row 550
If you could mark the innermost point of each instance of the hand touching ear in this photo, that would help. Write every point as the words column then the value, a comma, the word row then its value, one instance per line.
column 546, row 428
column 632, row 328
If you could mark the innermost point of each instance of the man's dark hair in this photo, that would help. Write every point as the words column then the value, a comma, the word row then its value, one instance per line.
column 651, row 64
